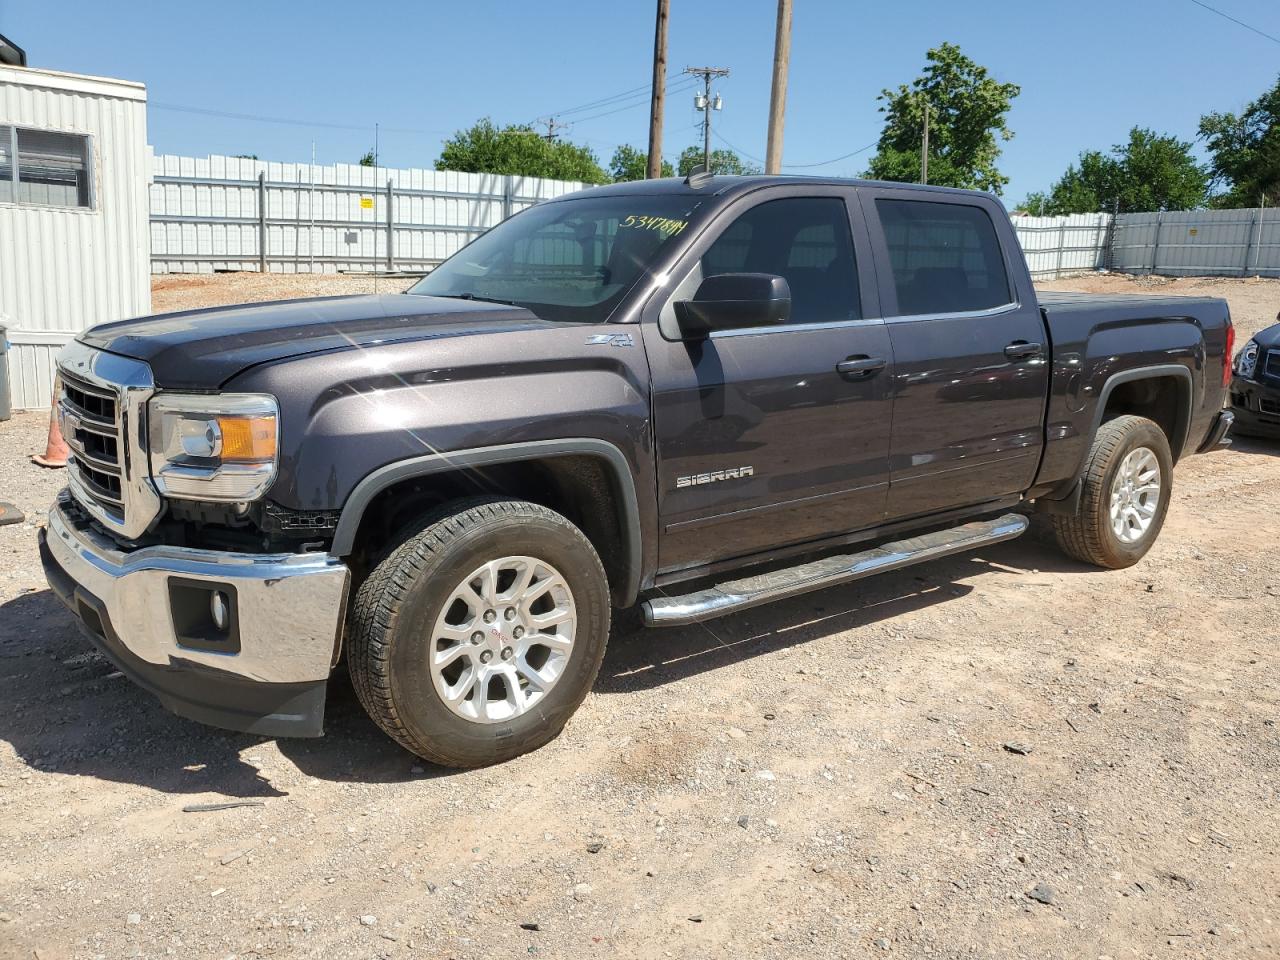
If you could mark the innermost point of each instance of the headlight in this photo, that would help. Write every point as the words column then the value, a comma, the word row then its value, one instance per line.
column 1247, row 360
column 220, row 447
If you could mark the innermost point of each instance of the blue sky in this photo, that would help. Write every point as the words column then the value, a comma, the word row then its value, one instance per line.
column 1089, row 70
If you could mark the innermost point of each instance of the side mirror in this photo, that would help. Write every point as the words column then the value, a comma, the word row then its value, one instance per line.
column 732, row 301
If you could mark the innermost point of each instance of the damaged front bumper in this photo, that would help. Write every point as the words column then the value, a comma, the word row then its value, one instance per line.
column 235, row 640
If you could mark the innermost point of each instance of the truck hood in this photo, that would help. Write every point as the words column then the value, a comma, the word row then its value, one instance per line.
column 1269, row 338
column 203, row 349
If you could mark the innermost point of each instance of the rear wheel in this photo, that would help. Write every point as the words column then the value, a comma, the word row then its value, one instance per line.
column 479, row 636
column 1127, row 483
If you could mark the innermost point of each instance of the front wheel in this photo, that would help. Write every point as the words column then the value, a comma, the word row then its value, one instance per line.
column 1126, row 487
column 476, row 639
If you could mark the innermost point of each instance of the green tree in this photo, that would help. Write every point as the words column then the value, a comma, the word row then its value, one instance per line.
column 368, row 160
column 1244, row 152
column 1149, row 172
column 628, row 163
column 518, row 150
column 722, row 162
column 1036, row 204
column 966, row 124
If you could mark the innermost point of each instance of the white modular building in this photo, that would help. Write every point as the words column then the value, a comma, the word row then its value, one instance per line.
column 75, row 171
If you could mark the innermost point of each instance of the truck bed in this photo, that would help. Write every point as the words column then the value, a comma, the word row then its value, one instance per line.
column 1069, row 301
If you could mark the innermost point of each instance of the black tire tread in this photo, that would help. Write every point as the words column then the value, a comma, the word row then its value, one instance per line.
column 1081, row 535
column 377, row 603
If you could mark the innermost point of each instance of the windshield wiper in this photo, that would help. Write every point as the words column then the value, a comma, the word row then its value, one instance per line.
column 472, row 296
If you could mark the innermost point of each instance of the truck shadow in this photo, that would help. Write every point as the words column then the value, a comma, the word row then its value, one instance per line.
column 1256, row 446
column 640, row 658
column 67, row 711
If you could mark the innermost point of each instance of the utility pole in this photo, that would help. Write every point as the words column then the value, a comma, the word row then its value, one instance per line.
column 924, row 146
column 654, row 167
column 553, row 126
column 704, row 102
column 778, row 97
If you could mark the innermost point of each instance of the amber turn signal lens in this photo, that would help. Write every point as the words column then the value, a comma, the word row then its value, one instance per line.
column 248, row 438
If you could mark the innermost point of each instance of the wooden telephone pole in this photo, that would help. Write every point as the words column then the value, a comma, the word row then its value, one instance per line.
column 654, row 169
column 778, row 98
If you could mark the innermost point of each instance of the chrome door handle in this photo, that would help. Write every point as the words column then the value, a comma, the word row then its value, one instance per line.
column 861, row 367
column 1022, row 350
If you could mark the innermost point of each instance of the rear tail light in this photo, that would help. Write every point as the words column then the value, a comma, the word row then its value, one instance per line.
column 1230, row 354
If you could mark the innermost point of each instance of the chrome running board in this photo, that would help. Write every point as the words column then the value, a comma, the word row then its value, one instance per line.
column 736, row 595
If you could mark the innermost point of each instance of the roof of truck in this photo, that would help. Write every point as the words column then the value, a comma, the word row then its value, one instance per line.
column 720, row 185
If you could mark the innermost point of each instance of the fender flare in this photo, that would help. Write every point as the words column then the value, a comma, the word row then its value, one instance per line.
column 1069, row 501
column 357, row 503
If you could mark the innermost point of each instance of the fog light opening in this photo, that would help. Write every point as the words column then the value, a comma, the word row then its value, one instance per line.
column 219, row 610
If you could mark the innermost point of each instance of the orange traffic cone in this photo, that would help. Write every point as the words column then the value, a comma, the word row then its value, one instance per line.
column 56, row 449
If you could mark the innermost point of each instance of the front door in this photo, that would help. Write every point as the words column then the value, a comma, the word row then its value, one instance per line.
column 762, row 440
column 970, row 352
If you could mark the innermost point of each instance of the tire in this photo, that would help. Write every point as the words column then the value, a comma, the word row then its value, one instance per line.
column 417, row 598
column 1089, row 535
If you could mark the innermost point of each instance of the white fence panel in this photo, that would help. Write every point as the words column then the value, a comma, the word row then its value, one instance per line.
column 1059, row 245
column 231, row 213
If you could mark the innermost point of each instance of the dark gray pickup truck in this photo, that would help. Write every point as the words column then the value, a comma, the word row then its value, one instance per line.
column 633, row 391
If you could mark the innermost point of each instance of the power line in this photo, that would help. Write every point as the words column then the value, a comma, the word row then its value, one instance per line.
column 604, row 100
column 639, row 94
column 677, row 88
column 823, row 163
column 256, row 118
column 1241, row 23
column 742, row 153
column 796, row 166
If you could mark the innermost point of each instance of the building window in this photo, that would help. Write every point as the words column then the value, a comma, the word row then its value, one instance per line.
column 45, row 168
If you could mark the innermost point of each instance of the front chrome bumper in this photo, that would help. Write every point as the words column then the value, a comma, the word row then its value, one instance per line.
column 265, row 673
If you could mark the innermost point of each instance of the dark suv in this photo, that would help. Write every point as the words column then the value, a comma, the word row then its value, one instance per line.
column 1255, row 388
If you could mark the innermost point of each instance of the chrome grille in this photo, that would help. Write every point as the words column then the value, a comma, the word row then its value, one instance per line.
column 1271, row 364
column 92, row 430
column 102, row 412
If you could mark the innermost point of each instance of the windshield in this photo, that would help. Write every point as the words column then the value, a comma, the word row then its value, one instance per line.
column 567, row 261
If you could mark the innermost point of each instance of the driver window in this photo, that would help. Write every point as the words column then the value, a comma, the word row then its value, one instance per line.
column 806, row 240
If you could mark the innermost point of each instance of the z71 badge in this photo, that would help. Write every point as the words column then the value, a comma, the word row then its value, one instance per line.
column 714, row 476
column 612, row 339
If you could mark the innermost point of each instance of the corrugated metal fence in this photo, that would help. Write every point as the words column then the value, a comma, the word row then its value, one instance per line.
column 1197, row 243
column 1055, row 246
column 232, row 213
column 1192, row 243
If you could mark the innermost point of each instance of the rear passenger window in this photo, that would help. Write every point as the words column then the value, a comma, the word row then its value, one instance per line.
column 807, row 241
column 945, row 257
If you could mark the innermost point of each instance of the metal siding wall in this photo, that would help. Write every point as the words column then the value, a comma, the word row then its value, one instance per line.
column 62, row 270
column 204, row 214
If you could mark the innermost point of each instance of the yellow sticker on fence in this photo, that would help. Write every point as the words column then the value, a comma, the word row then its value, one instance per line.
column 366, row 203
column 664, row 225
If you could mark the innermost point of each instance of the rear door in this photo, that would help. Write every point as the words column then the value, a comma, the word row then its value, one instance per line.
column 761, row 440
column 970, row 373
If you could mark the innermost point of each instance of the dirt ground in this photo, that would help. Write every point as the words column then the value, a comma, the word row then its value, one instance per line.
column 827, row 777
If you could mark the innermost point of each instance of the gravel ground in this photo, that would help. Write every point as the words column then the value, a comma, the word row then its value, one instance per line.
column 185, row 291
column 1001, row 755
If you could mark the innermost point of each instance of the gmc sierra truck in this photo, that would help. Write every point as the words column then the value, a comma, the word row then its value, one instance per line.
column 636, row 391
